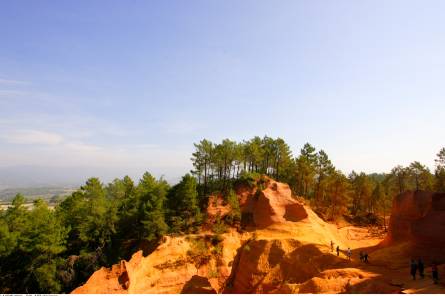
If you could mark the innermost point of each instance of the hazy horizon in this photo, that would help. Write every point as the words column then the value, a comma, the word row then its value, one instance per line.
column 107, row 88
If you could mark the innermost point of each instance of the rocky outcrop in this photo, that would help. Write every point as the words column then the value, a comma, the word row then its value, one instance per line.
column 274, row 204
column 179, row 264
column 418, row 217
column 267, row 264
column 344, row 280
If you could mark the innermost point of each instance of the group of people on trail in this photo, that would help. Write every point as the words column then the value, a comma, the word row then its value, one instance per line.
column 364, row 257
column 348, row 252
column 420, row 266
column 416, row 265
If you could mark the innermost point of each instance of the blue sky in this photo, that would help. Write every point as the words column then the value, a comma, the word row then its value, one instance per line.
column 119, row 87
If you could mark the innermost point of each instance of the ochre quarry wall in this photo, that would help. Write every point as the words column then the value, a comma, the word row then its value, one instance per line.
column 418, row 217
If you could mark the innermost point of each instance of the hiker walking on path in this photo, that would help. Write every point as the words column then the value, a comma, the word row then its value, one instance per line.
column 435, row 273
column 421, row 267
column 362, row 256
column 338, row 250
column 349, row 253
column 413, row 268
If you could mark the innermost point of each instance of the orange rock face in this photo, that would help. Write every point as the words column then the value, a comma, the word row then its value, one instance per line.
column 274, row 204
column 417, row 225
column 418, row 217
column 287, row 249
column 169, row 269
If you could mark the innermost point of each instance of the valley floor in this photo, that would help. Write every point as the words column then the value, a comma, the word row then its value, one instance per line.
column 389, row 264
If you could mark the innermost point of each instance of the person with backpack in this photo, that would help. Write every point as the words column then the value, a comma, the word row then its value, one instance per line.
column 338, row 250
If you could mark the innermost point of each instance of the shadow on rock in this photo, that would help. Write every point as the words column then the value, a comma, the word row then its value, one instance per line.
column 198, row 285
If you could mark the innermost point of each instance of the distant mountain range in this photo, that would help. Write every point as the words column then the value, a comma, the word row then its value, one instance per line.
column 33, row 181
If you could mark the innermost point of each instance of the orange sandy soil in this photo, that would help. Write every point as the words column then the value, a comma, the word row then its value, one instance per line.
column 388, row 263
column 288, row 251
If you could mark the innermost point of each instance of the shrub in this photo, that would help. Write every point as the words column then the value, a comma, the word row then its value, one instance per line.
column 198, row 253
column 219, row 227
column 235, row 215
column 249, row 178
column 217, row 250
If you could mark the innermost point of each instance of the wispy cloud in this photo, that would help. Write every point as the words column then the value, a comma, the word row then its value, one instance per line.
column 13, row 82
column 33, row 137
column 45, row 138
column 54, row 149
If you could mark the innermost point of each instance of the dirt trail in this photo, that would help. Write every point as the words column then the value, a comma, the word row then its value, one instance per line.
column 389, row 263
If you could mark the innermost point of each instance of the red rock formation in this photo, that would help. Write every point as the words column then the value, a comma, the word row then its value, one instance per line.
column 169, row 269
column 418, row 217
column 274, row 204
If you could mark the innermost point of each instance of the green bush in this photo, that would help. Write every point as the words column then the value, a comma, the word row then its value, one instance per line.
column 219, row 227
column 235, row 215
column 249, row 178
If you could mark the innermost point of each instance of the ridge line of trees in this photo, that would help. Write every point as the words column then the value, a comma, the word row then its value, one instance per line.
column 311, row 174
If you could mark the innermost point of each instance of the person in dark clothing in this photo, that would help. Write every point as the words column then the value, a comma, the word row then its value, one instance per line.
column 421, row 267
column 361, row 256
column 365, row 257
column 413, row 268
column 435, row 273
column 338, row 250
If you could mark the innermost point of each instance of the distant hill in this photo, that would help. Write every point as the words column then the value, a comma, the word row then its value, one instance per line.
column 72, row 177
column 31, row 193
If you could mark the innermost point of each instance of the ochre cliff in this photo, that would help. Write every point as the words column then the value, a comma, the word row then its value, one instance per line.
column 419, row 217
column 416, row 229
column 284, row 247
